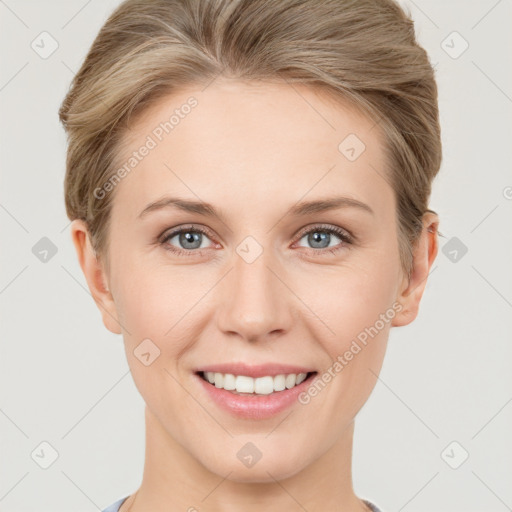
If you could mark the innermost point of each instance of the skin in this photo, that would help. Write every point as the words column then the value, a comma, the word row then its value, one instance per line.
column 252, row 150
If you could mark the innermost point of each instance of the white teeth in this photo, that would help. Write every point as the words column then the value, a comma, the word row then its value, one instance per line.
column 260, row 386
column 290, row 380
column 264, row 385
column 219, row 380
column 244, row 384
column 301, row 377
column 279, row 382
column 229, row 382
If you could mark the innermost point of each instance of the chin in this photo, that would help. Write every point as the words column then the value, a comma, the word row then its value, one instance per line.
column 268, row 469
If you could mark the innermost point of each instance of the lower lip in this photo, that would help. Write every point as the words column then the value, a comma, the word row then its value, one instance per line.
column 254, row 407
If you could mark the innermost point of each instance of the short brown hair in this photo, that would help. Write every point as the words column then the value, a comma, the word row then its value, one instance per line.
column 363, row 51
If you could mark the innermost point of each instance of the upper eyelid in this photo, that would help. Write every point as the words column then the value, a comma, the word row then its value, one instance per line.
column 325, row 227
column 172, row 232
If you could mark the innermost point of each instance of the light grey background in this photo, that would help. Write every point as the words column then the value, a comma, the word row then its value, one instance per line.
column 447, row 377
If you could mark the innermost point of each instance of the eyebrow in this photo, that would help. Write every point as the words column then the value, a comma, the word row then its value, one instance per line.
column 302, row 208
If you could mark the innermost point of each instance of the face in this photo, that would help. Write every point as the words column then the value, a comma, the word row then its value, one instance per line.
column 265, row 286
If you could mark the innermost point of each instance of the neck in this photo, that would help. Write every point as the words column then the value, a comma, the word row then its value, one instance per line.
column 173, row 480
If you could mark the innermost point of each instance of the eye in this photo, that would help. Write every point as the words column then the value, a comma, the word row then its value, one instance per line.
column 320, row 237
column 190, row 240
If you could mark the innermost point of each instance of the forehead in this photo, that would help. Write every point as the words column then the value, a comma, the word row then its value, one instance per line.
column 253, row 142
column 263, row 109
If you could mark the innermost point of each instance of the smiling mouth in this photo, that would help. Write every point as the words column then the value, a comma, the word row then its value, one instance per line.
column 260, row 386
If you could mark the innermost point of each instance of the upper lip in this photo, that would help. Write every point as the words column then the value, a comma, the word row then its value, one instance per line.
column 254, row 371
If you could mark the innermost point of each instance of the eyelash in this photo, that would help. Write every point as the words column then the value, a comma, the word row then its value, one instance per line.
column 344, row 236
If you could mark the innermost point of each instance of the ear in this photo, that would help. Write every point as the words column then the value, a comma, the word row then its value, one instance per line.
column 95, row 275
column 424, row 254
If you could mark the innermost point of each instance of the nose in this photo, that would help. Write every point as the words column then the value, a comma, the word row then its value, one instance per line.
column 256, row 303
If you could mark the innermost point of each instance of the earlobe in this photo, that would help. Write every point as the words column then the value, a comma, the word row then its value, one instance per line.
column 424, row 255
column 95, row 275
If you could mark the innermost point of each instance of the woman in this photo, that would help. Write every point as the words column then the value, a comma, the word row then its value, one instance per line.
column 248, row 183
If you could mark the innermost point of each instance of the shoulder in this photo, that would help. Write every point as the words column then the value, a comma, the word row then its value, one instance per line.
column 373, row 508
column 115, row 506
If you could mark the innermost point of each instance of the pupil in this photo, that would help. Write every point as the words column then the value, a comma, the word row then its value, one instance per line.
column 189, row 238
column 318, row 237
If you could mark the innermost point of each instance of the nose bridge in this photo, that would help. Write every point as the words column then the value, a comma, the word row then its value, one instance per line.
column 255, row 302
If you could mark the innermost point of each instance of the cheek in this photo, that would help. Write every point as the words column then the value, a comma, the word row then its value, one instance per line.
column 157, row 301
column 162, row 304
column 350, row 299
column 358, row 307
column 153, row 306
